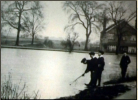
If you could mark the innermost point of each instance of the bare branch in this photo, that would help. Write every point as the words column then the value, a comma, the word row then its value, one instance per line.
column 72, row 25
column 75, row 10
column 11, row 24
column 131, row 16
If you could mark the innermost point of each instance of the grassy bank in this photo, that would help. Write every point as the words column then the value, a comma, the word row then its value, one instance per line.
column 10, row 90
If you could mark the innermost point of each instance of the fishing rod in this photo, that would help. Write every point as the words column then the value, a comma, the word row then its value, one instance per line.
column 82, row 61
column 77, row 78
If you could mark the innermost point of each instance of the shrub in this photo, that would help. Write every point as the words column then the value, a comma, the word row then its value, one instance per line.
column 15, row 91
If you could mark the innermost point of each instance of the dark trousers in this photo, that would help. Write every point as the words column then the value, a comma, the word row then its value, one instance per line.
column 123, row 71
column 93, row 79
column 99, row 74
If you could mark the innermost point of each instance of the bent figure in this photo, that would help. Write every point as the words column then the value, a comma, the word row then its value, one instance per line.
column 91, row 66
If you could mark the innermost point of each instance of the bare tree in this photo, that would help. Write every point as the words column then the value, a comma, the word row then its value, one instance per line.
column 33, row 21
column 84, row 13
column 3, row 23
column 63, row 43
column 118, row 13
column 1, row 20
column 77, row 44
column 14, row 11
column 103, row 21
column 48, row 42
column 71, row 41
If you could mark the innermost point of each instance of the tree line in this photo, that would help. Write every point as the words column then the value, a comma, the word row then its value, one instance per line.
column 23, row 16
column 27, row 16
column 92, row 14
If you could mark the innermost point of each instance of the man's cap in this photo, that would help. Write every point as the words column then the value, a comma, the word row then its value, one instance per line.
column 91, row 53
column 125, row 52
column 101, row 52
column 83, row 60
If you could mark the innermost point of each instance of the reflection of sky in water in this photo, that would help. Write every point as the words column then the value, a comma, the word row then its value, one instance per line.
column 51, row 72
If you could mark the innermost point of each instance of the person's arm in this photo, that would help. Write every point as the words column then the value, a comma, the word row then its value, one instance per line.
column 128, row 61
column 121, row 61
column 87, row 69
column 102, row 63
column 85, row 62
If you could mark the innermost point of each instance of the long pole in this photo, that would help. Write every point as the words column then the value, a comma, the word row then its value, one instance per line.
column 76, row 79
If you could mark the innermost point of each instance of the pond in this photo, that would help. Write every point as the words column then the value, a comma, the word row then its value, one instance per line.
column 51, row 72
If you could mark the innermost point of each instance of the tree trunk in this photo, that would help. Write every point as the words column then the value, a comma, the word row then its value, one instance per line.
column 32, row 39
column 104, row 28
column 100, row 43
column 118, row 46
column 101, row 48
column 18, row 31
column 70, row 46
column 17, row 38
column 117, row 49
column 86, row 43
column 119, row 36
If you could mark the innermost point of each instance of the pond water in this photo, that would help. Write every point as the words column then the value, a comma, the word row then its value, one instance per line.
column 51, row 72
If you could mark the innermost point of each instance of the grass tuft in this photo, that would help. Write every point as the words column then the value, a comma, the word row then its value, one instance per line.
column 9, row 90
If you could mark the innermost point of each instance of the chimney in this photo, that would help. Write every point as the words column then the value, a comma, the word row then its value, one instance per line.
column 104, row 22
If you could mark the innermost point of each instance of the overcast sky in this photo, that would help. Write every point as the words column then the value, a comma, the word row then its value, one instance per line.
column 56, row 19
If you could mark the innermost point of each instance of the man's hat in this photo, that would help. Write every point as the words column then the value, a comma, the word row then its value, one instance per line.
column 83, row 60
column 101, row 52
column 125, row 52
column 91, row 53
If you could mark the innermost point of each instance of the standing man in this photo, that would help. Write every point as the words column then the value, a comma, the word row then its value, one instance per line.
column 100, row 67
column 125, row 60
column 91, row 66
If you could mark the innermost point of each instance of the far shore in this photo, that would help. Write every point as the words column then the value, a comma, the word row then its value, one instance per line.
column 52, row 49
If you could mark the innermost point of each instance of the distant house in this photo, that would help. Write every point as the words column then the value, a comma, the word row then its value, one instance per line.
column 128, row 42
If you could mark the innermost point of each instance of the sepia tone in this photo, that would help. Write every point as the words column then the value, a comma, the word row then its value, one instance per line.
column 68, row 49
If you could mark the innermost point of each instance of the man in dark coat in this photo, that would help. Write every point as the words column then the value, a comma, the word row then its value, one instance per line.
column 100, row 67
column 91, row 66
column 125, row 60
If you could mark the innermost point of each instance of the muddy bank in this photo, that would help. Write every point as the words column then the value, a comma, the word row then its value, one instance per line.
column 111, row 89
column 106, row 92
column 120, row 80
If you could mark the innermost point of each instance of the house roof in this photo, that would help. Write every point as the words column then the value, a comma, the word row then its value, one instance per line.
column 113, row 26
